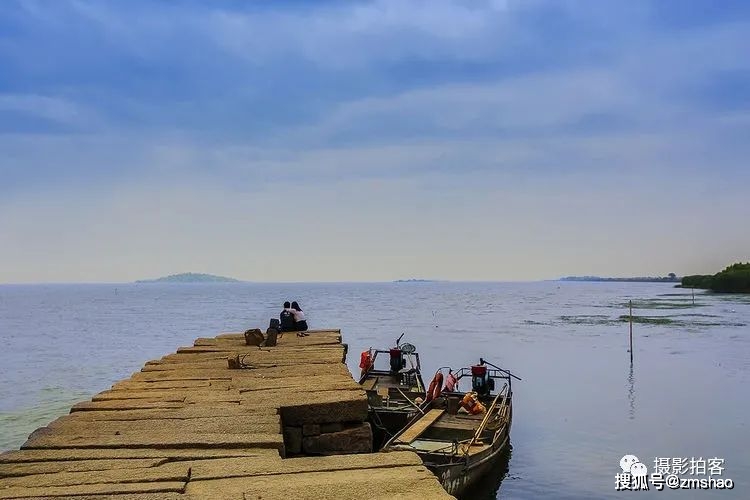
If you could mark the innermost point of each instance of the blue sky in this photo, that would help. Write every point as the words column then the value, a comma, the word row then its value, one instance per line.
column 378, row 140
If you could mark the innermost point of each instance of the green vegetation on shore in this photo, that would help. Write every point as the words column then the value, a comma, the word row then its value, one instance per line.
column 191, row 278
column 733, row 279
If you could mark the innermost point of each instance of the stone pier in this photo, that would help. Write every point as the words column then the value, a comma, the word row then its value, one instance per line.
column 283, row 422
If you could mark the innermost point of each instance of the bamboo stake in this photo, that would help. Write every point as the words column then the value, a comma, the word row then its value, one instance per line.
column 631, row 331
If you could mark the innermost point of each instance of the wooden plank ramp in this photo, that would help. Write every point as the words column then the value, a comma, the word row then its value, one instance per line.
column 292, row 423
column 420, row 426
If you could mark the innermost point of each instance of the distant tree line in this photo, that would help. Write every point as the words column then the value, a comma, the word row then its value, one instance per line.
column 640, row 279
column 733, row 279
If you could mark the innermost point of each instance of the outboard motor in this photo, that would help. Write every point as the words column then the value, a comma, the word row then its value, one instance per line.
column 481, row 383
column 397, row 360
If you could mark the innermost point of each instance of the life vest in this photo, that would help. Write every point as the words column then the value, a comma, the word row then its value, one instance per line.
column 365, row 361
column 451, row 383
column 471, row 403
column 435, row 387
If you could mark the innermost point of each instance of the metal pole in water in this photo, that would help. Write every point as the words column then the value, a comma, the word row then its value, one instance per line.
column 631, row 331
column 693, row 289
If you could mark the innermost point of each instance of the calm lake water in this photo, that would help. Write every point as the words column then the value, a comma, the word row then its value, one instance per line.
column 578, row 410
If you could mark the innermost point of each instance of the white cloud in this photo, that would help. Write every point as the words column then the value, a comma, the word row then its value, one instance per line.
column 57, row 109
column 361, row 34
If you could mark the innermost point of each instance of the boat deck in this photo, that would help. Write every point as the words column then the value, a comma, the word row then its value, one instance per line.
column 379, row 381
column 446, row 447
column 441, row 432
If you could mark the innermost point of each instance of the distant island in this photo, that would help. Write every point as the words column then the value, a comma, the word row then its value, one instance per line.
column 670, row 278
column 733, row 279
column 191, row 278
column 412, row 280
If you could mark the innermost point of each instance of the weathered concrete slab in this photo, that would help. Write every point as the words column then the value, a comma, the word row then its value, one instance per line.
column 223, row 374
column 327, row 345
column 195, row 374
column 210, row 364
column 167, row 395
column 62, row 455
column 169, row 384
column 155, row 439
column 129, row 404
column 323, row 407
column 176, row 471
column 128, row 496
column 267, row 354
column 397, row 482
column 263, row 358
column 240, row 467
column 29, row 468
column 107, row 489
column 354, row 439
column 312, row 383
column 187, row 412
column 231, row 396
column 214, row 425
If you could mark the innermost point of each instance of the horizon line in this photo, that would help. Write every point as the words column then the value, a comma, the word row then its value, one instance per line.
column 312, row 282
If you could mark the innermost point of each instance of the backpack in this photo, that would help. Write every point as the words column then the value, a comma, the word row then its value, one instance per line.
column 287, row 321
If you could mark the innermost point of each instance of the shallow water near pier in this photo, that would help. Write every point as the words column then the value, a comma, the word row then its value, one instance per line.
column 580, row 407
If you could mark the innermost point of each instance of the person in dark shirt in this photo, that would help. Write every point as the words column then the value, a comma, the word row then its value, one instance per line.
column 286, row 318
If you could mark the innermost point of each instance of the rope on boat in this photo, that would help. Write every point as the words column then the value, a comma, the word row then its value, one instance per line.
column 376, row 420
column 415, row 405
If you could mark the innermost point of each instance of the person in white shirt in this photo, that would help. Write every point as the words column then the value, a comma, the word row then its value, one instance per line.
column 300, row 324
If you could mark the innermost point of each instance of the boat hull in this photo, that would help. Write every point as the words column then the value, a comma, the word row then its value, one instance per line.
column 458, row 477
column 458, row 473
column 463, row 438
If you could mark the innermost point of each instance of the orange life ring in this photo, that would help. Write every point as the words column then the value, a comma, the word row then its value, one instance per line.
column 436, row 387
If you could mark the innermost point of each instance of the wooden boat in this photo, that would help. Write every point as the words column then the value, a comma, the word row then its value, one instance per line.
column 457, row 441
column 394, row 386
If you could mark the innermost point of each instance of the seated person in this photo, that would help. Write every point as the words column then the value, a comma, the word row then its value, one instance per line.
column 286, row 318
column 300, row 325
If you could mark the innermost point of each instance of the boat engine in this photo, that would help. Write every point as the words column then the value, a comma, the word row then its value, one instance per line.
column 397, row 360
column 481, row 383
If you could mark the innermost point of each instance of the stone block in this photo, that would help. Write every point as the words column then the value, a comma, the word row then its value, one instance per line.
column 310, row 430
column 293, row 440
column 357, row 439
column 325, row 407
column 335, row 427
